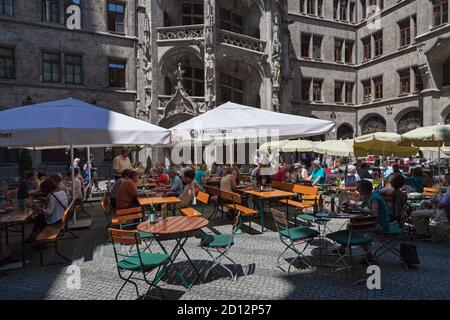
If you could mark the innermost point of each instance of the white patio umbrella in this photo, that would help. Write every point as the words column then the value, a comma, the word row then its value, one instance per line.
column 341, row 148
column 381, row 144
column 232, row 121
column 273, row 145
column 73, row 123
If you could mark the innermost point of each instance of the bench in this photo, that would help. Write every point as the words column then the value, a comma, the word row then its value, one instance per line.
column 53, row 233
column 233, row 201
column 308, row 197
column 203, row 198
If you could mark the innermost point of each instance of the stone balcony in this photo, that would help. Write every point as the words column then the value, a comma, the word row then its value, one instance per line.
column 197, row 33
column 241, row 41
column 192, row 32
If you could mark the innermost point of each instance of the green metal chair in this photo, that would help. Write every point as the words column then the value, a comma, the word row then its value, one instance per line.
column 359, row 232
column 221, row 245
column 292, row 237
column 137, row 262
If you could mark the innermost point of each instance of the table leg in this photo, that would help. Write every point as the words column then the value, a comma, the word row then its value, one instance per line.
column 187, row 256
column 261, row 212
column 172, row 256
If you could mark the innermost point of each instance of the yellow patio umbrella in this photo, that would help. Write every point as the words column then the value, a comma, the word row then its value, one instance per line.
column 432, row 136
column 437, row 136
column 341, row 148
column 272, row 145
column 299, row 146
column 382, row 144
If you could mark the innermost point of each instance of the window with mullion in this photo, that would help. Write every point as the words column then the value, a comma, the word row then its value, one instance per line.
column 405, row 82
column 311, row 6
column 232, row 89
column 338, row 45
column 343, row 10
column 116, row 17
column 116, row 71
column 52, row 67
column 348, row 52
column 317, row 90
column 440, row 12
column 73, row 69
column 231, row 21
column 338, row 86
column 7, row 63
column 367, row 47
column 306, row 86
column 317, row 47
column 418, row 84
column 50, row 11
column 305, row 46
column 192, row 13
column 6, row 7
column 349, row 93
column 367, row 89
column 194, row 81
column 378, row 43
column 405, row 33
column 378, row 86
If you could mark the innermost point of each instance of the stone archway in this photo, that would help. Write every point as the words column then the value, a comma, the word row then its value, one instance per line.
column 345, row 131
column 410, row 121
column 373, row 123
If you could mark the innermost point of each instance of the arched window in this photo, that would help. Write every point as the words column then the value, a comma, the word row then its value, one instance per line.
column 446, row 73
column 373, row 124
column 409, row 121
column 447, row 119
column 345, row 131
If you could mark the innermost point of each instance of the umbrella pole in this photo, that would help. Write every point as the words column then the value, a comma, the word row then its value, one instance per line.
column 439, row 165
column 72, row 170
column 88, row 167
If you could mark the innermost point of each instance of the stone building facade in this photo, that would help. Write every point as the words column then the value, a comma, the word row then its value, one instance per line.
column 369, row 65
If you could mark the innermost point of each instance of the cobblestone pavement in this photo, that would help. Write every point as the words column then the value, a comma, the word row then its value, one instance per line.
column 255, row 255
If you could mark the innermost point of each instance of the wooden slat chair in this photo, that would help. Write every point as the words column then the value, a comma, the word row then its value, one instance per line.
column 360, row 232
column 292, row 236
column 11, row 194
column 221, row 244
column 234, row 202
column 203, row 199
column 53, row 233
column 304, row 192
column 215, row 196
column 128, row 219
column 289, row 187
column 142, row 262
column 431, row 192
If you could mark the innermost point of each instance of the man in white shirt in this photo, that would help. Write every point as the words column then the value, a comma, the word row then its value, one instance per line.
column 120, row 163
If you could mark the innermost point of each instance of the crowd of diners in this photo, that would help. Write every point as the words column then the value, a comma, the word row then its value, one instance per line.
column 184, row 181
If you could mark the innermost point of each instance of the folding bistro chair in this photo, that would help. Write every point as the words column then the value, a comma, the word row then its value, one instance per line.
column 292, row 237
column 221, row 244
column 359, row 232
column 142, row 262
column 128, row 219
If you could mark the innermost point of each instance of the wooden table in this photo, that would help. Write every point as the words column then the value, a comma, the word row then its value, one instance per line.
column 16, row 217
column 267, row 195
column 178, row 229
column 148, row 201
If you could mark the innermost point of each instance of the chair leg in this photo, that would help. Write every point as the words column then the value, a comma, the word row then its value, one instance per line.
column 59, row 254
column 127, row 280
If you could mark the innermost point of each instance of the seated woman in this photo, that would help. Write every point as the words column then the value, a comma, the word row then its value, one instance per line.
column 228, row 181
column 394, row 186
column 351, row 177
column 375, row 205
column 420, row 180
column 79, row 190
column 55, row 203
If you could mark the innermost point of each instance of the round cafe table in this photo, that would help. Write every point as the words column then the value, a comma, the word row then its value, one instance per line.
column 178, row 229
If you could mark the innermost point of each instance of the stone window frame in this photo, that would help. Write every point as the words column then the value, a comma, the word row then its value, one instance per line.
column 337, row 93
column 378, row 87
column 340, row 49
column 43, row 61
column 13, row 49
column 405, row 32
column 378, row 44
column 367, row 48
column 443, row 15
column 305, row 36
column 80, row 56
column 117, row 61
column 59, row 15
column 116, row 2
column 347, row 84
column 404, row 74
column 4, row 6
column 367, row 90
column 317, row 99
column 192, row 15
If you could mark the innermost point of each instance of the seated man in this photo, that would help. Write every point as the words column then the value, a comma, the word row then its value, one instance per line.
column 393, row 187
column 27, row 185
column 176, row 186
column 116, row 185
column 438, row 208
column 281, row 174
column 127, row 192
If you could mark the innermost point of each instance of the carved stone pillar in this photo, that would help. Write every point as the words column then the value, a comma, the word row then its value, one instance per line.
column 275, row 58
column 210, row 54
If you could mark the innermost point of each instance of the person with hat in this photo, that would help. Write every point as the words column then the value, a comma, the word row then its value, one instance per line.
column 318, row 175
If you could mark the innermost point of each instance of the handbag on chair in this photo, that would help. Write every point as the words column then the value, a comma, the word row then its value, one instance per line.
column 408, row 253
